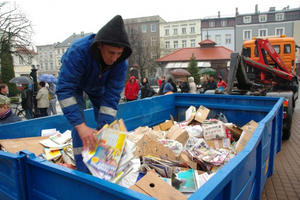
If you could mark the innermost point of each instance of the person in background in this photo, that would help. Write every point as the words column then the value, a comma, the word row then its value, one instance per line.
column 163, row 82
column 184, row 86
column 131, row 89
column 168, row 89
column 6, row 114
column 27, row 101
column 173, row 85
column 145, row 88
column 212, row 85
column 42, row 98
column 221, row 83
column 3, row 89
column 98, row 66
column 52, row 107
column 192, row 85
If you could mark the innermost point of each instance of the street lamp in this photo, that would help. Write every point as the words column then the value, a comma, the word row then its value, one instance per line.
column 33, row 74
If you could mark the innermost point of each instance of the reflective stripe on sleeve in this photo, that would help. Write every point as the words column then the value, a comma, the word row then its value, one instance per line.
column 67, row 102
column 77, row 150
column 108, row 111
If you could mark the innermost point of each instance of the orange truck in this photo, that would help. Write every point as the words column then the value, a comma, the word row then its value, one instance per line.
column 266, row 67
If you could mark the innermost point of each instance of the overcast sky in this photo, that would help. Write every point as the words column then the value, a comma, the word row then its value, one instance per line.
column 54, row 21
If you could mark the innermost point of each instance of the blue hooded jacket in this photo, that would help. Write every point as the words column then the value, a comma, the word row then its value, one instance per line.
column 83, row 69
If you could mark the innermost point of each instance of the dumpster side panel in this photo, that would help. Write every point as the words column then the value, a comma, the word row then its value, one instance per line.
column 12, row 176
column 47, row 181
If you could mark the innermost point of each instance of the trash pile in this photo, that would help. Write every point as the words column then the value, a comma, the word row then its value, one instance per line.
column 177, row 157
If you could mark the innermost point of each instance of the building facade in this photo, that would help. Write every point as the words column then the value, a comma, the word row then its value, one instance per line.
column 179, row 34
column 220, row 30
column 261, row 24
column 23, row 61
column 45, row 60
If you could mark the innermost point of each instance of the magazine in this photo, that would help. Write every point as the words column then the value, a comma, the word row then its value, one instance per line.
column 105, row 159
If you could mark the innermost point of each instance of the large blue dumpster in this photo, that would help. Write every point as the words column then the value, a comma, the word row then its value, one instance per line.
column 242, row 178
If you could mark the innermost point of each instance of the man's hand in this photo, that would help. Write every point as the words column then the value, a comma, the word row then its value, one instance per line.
column 87, row 135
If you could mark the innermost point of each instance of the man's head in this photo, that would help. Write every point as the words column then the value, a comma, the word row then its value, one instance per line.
column 4, row 104
column 3, row 88
column 110, row 53
column 211, row 77
column 42, row 84
column 163, row 77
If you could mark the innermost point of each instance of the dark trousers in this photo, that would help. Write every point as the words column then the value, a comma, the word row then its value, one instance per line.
column 29, row 114
column 43, row 112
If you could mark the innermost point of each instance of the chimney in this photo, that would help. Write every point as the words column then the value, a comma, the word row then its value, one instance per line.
column 82, row 33
column 272, row 9
column 74, row 34
column 256, row 8
column 219, row 14
column 236, row 11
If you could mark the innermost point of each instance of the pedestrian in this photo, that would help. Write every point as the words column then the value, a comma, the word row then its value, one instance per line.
column 163, row 82
column 52, row 98
column 212, row 85
column 3, row 89
column 192, row 85
column 168, row 89
column 145, row 88
column 42, row 98
column 173, row 85
column 96, row 64
column 6, row 114
column 221, row 83
column 183, row 85
column 27, row 101
column 131, row 89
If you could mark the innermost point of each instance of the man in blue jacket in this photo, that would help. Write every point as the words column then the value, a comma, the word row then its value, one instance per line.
column 96, row 64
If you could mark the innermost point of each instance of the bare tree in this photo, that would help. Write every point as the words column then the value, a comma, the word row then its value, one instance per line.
column 144, row 51
column 15, row 37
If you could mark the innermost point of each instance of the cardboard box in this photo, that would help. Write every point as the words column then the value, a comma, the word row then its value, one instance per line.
column 248, row 130
column 190, row 114
column 178, row 134
column 236, row 131
column 219, row 144
column 201, row 114
column 156, row 187
column 165, row 125
column 186, row 159
column 148, row 146
column 30, row 143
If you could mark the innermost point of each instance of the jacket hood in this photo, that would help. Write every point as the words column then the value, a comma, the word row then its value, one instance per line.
column 167, row 88
column 132, row 77
column 114, row 34
column 191, row 79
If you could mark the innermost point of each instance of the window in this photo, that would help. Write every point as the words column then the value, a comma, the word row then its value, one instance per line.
column 143, row 28
column 193, row 42
column 50, row 54
column 59, row 62
column 262, row 18
column 41, row 65
column 192, row 29
column 175, row 31
column 175, row 44
column 62, row 51
column 247, row 19
column 279, row 31
column 262, row 32
column 287, row 48
column 29, row 60
column 277, row 48
column 279, row 17
column 20, row 60
column 58, row 51
column 153, row 28
column 211, row 24
column 167, row 32
column 218, row 39
column 247, row 34
column 183, row 43
column 144, row 42
column 153, row 41
column 46, row 66
column 51, row 65
column 223, row 23
column 228, row 38
column 183, row 30
column 153, row 56
column 167, row 44
column 46, row 55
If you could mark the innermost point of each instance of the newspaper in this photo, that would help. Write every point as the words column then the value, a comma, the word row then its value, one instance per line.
column 104, row 161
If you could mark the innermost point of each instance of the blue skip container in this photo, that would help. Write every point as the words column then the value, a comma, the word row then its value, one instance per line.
column 24, row 176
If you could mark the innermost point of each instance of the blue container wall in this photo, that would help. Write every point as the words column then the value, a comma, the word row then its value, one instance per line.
column 242, row 178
